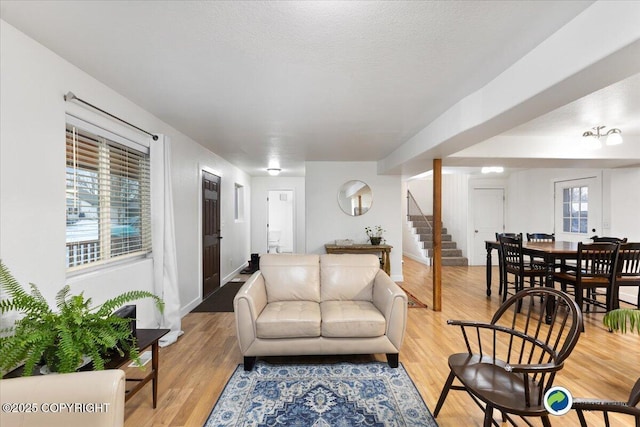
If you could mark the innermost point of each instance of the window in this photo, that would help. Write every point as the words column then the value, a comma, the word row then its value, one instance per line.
column 575, row 208
column 239, row 203
column 107, row 196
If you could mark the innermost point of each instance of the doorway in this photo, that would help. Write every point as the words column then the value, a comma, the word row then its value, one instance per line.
column 280, row 222
column 210, row 233
column 577, row 209
column 488, row 219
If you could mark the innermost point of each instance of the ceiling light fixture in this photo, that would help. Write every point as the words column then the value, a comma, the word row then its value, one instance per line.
column 274, row 171
column 492, row 169
column 612, row 137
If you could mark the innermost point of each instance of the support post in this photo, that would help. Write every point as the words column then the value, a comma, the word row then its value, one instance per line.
column 437, row 235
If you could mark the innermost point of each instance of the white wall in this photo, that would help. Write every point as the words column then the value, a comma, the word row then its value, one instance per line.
column 326, row 222
column 411, row 246
column 625, row 210
column 455, row 208
column 32, row 178
column 260, row 186
column 530, row 198
column 422, row 191
column 530, row 203
column 624, row 213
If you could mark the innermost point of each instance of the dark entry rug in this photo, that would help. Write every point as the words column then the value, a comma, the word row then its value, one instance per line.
column 320, row 395
column 221, row 300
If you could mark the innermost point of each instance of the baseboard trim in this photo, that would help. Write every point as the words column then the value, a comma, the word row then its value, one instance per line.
column 628, row 297
column 186, row 309
column 233, row 274
column 416, row 258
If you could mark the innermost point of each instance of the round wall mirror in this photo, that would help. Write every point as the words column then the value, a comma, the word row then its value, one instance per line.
column 355, row 198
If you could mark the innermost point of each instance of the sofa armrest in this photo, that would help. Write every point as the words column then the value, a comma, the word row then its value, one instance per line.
column 391, row 300
column 248, row 303
column 91, row 398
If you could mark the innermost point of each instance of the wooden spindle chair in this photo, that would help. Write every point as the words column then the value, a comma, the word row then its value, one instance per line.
column 514, row 264
column 501, row 284
column 607, row 407
column 628, row 271
column 513, row 360
column 595, row 269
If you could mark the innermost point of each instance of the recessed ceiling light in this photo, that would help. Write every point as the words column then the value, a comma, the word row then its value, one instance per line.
column 273, row 171
column 492, row 169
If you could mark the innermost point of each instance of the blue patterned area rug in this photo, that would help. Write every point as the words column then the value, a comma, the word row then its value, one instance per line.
column 321, row 395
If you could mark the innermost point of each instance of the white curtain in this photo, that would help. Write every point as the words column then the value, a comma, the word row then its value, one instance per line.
column 165, row 267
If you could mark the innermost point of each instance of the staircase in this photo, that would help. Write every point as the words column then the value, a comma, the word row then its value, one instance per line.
column 422, row 227
column 451, row 255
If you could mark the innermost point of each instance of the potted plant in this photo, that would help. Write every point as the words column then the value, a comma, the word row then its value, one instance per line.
column 375, row 234
column 616, row 320
column 63, row 337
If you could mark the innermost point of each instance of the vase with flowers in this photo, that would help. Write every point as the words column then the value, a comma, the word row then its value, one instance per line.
column 375, row 234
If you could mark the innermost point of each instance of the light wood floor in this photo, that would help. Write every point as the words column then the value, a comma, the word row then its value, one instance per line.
column 194, row 371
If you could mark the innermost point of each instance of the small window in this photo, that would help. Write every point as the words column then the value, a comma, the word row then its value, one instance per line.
column 575, row 209
column 239, row 203
column 107, row 199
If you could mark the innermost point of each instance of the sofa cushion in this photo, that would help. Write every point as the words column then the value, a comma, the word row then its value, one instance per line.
column 351, row 319
column 289, row 319
column 289, row 277
column 347, row 277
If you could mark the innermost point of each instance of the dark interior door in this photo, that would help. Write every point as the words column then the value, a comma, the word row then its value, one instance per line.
column 210, row 233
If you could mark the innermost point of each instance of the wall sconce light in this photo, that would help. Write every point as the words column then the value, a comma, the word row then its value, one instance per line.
column 612, row 137
column 273, row 171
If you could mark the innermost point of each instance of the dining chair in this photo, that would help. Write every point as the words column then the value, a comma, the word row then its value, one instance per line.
column 604, row 239
column 510, row 362
column 607, row 407
column 628, row 273
column 501, row 286
column 513, row 263
column 595, row 269
column 540, row 237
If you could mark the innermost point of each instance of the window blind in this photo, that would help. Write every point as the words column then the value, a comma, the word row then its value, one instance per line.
column 107, row 199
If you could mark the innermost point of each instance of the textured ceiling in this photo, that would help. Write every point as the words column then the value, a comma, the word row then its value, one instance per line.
column 293, row 81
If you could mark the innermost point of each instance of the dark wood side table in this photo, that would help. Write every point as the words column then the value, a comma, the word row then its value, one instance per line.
column 385, row 250
column 145, row 338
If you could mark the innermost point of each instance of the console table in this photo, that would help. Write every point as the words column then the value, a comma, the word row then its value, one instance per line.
column 144, row 338
column 384, row 250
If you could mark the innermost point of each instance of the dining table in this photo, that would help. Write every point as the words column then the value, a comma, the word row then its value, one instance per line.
column 551, row 254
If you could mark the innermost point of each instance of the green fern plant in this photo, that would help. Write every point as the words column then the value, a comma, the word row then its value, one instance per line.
column 63, row 336
column 616, row 320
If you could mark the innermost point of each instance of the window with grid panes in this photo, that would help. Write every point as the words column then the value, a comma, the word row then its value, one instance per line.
column 107, row 197
column 575, row 208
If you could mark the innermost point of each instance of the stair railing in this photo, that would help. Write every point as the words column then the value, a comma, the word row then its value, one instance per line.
column 414, row 209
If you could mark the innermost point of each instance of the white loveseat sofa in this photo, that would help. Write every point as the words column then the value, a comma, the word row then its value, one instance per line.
column 78, row 399
column 319, row 304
